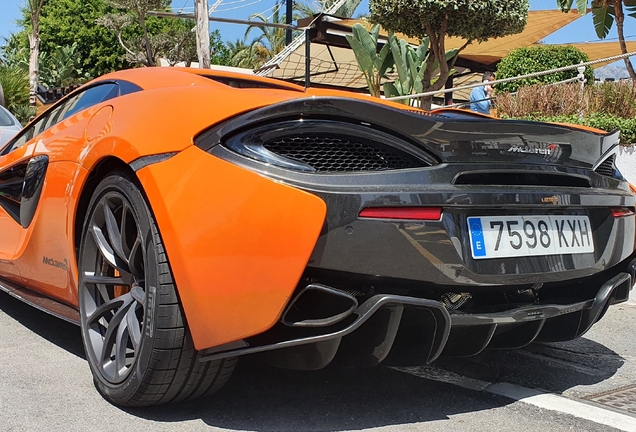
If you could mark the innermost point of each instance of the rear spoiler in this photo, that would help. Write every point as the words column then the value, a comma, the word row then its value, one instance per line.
column 448, row 138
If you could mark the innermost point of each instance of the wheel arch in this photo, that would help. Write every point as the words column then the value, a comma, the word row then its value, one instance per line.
column 98, row 172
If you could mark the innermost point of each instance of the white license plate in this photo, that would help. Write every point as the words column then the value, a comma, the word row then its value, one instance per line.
column 513, row 236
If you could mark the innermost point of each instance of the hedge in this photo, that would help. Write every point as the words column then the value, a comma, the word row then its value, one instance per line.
column 538, row 58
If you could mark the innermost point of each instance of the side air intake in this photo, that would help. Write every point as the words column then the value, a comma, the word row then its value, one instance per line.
column 607, row 167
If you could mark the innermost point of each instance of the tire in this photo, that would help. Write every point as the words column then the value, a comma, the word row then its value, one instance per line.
column 136, row 338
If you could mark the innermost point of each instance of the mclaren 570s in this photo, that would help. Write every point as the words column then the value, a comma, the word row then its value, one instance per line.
column 184, row 218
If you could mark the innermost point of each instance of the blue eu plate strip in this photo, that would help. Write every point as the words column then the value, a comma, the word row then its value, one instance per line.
column 477, row 237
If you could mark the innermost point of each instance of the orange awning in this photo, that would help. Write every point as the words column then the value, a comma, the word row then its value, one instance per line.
column 541, row 23
column 598, row 50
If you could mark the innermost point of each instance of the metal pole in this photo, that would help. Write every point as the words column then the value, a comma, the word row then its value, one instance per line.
column 288, row 21
column 581, row 77
column 448, row 97
column 307, row 59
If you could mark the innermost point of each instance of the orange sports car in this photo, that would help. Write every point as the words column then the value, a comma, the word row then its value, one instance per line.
column 184, row 218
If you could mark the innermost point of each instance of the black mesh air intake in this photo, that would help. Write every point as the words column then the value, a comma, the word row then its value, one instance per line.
column 336, row 154
column 607, row 167
column 327, row 146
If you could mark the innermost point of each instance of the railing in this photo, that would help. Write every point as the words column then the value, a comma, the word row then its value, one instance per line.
column 581, row 65
column 467, row 104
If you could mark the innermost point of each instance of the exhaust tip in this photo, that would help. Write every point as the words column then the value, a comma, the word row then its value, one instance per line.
column 319, row 306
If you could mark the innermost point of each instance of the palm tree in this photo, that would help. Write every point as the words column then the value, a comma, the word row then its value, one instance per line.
column 243, row 55
column 604, row 13
column 346, row 10
column 271, row 41
column 34, row 9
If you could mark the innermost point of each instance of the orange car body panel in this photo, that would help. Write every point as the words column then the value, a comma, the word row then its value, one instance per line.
column 117, row 127
column 237, row 242
column 51, row 237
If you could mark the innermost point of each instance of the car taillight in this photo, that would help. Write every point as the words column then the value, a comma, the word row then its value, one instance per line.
column 404, row 213
column 622, row 211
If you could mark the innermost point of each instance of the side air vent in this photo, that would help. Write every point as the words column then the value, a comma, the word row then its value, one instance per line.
column 323, row 146
column 20, row 189
column 607, row 167
column 521, row 179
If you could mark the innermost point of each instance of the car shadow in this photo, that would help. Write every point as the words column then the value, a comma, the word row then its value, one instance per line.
column 262, row 398
column 554, row 367
column 57, row 331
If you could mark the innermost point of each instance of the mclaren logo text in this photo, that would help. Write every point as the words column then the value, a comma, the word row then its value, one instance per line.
column 532, row 150
column 553, row 200
column 62, row 265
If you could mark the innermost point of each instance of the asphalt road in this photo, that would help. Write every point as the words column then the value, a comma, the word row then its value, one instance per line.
column 45, row 384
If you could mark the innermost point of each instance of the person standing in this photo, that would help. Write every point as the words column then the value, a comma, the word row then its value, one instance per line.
column 479, row 101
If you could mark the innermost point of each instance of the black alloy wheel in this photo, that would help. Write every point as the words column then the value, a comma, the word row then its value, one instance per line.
column 114, row 277
column 137, row 342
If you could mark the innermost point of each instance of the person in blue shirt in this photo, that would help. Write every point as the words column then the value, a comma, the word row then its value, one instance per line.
column 477, row 96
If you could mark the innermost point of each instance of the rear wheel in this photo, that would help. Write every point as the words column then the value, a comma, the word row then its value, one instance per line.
column 136, row 338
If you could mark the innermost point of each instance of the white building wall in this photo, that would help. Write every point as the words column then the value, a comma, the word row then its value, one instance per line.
column 626, row 163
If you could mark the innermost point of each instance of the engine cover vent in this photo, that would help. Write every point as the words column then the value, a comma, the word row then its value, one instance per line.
column 339, row 154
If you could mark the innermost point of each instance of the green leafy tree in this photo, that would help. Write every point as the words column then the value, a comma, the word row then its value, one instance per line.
column 539, row 58
column 604, row 13
column 15, row 51
column 67, row 22
column 145, row 39
column 62, row 67
column 473, row 20
column 219, row 52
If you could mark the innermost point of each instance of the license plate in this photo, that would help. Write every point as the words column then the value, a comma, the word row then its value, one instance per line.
column 513, row 236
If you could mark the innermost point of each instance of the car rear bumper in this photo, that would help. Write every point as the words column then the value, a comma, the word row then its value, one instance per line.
column 409, row 330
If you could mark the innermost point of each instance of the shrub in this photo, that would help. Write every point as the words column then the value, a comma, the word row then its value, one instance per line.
column 15, row 83
column 616, row 98
column 541, row 100
column 539, row 58
column 24, row 113
column 604, row 106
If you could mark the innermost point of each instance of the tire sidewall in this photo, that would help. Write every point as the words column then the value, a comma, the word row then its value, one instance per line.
column 120, row 393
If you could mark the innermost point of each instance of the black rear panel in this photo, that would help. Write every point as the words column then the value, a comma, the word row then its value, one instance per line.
column 465, row 167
